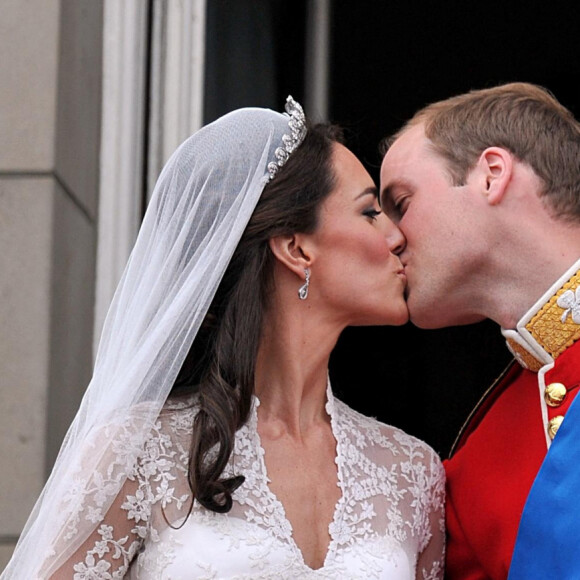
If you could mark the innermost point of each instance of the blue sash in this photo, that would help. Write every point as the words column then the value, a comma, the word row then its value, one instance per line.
column 548, row 540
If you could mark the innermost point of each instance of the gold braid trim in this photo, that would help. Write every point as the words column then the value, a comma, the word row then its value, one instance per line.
column 530, row 361
column 547, row 327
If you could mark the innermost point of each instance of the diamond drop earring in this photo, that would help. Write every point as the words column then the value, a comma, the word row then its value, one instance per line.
column 303, row 290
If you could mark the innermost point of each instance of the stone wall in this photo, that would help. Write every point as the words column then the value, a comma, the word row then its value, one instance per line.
column 50, row 107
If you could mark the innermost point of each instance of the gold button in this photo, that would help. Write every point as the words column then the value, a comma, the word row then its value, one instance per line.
column 554, row 425
column 555, row 394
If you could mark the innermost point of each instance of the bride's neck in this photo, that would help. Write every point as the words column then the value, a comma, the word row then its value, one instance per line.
column 292, row 362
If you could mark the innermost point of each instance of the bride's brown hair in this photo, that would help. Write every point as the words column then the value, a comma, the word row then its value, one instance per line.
column 220, row 366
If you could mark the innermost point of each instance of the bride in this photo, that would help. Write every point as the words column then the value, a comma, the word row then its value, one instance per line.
column 209, row 443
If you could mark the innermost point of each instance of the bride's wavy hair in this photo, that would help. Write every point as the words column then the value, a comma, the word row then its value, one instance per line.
column 220, row 366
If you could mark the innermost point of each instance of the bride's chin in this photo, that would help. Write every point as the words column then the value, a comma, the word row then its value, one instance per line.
column 397, row 317
column 391, row 318
column 399, row 320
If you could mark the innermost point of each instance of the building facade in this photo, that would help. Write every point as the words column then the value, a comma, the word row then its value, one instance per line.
column 95, row 95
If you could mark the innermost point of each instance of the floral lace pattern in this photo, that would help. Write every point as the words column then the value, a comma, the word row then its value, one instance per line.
column 388, row 522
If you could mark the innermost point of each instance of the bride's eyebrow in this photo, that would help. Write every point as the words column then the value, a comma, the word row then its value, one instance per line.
column 369, row 191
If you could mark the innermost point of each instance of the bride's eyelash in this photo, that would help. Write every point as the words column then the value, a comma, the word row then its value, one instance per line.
column 372, row 213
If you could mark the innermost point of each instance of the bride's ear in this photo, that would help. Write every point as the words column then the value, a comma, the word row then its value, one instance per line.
column 292, row 251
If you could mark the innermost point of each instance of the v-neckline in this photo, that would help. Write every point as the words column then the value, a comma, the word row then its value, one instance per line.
column 279, row 506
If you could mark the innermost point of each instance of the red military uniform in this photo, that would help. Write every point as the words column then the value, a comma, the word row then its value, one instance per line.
column 494, row 463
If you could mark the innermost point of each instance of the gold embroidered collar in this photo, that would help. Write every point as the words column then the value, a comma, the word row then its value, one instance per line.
column 550, row 326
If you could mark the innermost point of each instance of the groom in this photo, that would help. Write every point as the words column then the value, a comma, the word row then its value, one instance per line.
column 485, row 187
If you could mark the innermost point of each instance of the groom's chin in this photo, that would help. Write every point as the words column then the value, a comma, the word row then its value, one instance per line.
column 439, row 318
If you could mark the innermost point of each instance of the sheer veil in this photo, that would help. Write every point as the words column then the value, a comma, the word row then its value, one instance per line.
column 199, row 209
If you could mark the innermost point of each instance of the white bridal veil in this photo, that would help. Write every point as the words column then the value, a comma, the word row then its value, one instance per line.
column 200, row 207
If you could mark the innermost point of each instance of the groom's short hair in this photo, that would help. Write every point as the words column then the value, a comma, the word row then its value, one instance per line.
column 523, row 118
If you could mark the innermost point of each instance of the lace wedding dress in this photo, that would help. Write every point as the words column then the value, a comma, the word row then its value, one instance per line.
column 392, row 502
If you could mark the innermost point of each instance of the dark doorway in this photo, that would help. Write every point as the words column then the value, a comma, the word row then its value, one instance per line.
column 389, row 59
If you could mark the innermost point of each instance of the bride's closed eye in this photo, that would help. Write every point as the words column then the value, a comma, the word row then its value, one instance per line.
column 372, row 213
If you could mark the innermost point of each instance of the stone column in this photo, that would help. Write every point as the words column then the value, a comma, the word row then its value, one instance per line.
column 50, row 106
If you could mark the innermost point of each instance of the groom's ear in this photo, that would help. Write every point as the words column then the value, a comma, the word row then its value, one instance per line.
column 495, row 168
column 292, row 251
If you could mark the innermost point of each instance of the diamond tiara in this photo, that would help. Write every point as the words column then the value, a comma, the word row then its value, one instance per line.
column 290, row 141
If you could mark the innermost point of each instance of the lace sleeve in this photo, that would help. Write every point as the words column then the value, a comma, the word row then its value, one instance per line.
column 104, row 511
column 431, row 561
column 127, row 504
column 109, row 550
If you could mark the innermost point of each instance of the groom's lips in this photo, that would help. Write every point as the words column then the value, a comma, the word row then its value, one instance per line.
column 406, row 278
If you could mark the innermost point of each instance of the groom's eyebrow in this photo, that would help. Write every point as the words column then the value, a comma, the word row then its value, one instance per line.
column 389, row 190
column 386, row 194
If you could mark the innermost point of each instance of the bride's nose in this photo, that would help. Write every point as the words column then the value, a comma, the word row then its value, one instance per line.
column 395, row 238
